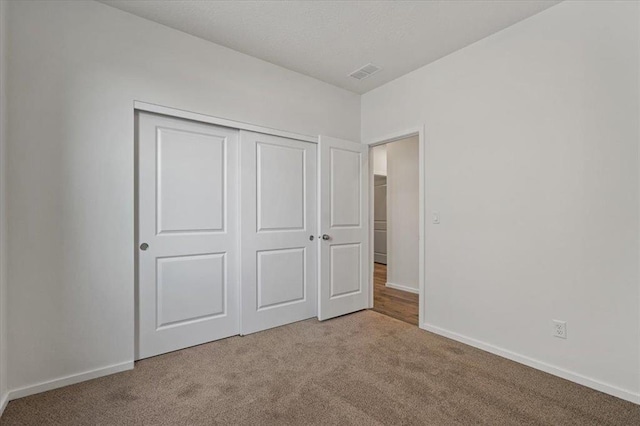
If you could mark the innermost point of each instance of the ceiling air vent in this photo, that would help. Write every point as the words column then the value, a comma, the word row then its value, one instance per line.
column 364, row 72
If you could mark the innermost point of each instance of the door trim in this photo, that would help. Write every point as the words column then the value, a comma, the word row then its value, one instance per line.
column 422, row 202
column 180, row 113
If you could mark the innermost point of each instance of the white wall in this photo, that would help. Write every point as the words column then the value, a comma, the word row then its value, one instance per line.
column 532, row 161
column 75, row 69
column 380, row 160
column 402, row 214
column 3, row 207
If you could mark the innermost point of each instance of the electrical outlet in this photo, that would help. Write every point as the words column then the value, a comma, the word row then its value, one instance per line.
column 560, row 329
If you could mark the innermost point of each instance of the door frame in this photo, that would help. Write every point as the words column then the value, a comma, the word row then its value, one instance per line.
column 384, row 139
column 219, row 121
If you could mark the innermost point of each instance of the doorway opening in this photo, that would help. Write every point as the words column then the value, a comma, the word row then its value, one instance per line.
column 396, row 216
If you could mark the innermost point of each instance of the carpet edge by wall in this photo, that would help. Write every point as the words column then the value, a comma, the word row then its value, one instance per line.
column 538, row 365
column 68, row 380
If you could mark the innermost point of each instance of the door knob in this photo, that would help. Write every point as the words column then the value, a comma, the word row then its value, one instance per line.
column 326, row 237
column 144, row 246
column 310, row 237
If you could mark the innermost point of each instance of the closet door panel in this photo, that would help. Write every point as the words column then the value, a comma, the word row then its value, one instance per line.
column 279, row 245
column 187, row 290
column 344, row 223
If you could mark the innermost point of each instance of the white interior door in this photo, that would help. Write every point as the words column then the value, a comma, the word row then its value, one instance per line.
column 187, row 234
column 344, row 218
column 279, row 245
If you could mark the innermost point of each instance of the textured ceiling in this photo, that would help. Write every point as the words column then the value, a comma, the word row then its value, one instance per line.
column 330, row 39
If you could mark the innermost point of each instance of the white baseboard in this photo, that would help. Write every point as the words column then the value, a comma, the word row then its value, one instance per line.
column 3, row 402
column 403, row 287
column 539, row 365
column 380, row 258
column 69, row 380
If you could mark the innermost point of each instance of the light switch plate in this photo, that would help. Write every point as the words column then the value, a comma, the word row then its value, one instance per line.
column 436, row 218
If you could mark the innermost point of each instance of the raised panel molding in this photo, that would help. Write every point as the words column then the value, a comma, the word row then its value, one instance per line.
column 345, row 263
column 345, row 171
column 280, row 188
column 281, row 277
column 190, row 288
column 191, row 182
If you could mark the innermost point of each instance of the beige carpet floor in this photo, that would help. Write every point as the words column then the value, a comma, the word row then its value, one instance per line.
column 364, row 369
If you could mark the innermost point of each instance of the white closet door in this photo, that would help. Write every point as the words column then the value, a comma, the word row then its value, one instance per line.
column 187, row 234
column 344, row 223
column 279, row 237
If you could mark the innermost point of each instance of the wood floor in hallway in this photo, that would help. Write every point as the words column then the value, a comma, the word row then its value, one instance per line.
column 395, row 303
